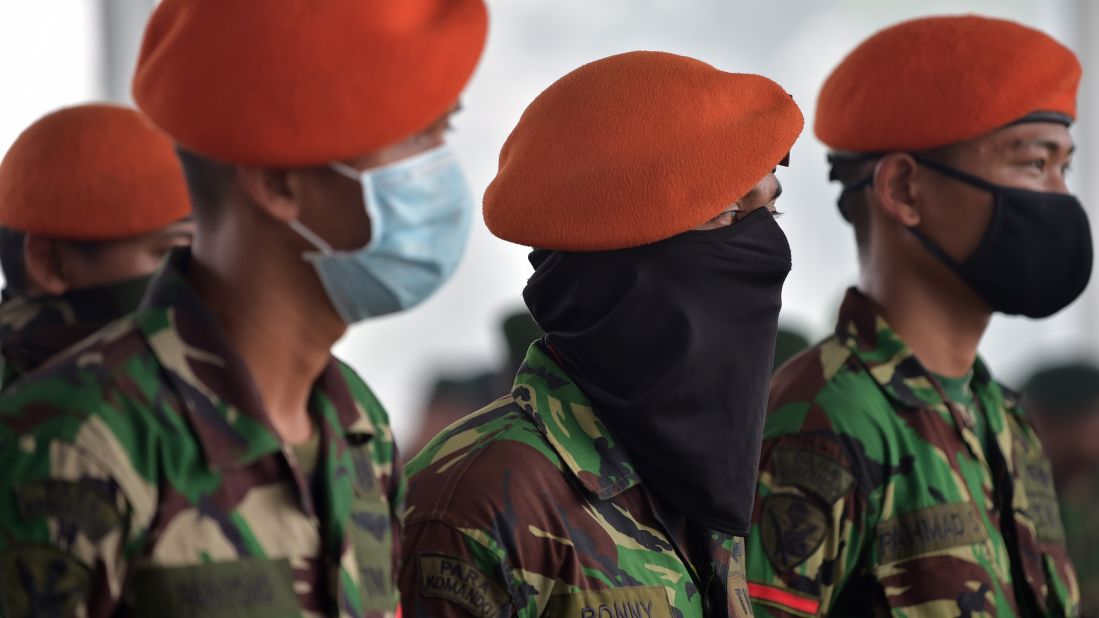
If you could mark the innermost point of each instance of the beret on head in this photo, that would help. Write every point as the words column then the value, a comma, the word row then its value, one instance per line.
column 635, row 148
column 936, row 81
column 91, row 172
column 304, row 82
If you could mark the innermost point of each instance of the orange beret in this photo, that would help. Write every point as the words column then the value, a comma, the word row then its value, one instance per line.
column 936, row 81
column 91, row 172
column 304, row 82
column 635, row 148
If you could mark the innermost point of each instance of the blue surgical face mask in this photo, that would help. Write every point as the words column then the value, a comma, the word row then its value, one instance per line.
column 420, row 210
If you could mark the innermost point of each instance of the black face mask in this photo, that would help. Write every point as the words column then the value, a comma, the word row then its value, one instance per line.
column 673, row 342
column 1034, row 259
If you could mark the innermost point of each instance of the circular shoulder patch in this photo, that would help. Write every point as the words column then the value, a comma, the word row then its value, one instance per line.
column 793, row 527
column 41, row 581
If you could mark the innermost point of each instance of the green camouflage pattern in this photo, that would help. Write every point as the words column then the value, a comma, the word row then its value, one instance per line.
column 876, row 497
column 34, row 329
column 529, row 508
column 143, row 477
column 1079, row 511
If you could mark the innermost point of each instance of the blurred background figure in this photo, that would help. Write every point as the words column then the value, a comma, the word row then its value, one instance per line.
column 91, row 200
column 455, row 394
column 788, row 343
column 1064, row 401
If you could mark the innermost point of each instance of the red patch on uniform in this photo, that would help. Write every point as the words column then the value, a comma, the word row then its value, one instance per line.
column 783, row 599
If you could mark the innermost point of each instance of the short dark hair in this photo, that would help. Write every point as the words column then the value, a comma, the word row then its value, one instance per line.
column 12, row 261
column 207, row 181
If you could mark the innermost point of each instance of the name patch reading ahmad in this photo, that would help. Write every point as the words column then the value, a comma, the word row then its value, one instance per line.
column 238, row 589
column 927, row 530
column 634, row 602
column 812, row 472
column 460, row 582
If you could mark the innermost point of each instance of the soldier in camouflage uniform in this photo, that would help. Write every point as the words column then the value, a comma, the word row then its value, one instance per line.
column 207, row 456
column 78, row 239
column 563, row 497
column 1064, row 399
column 897, row 476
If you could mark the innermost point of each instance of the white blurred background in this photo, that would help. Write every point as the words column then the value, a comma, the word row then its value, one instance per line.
column 60, row 52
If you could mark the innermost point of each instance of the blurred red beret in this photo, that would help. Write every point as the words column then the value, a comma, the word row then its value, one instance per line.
column 91, row 172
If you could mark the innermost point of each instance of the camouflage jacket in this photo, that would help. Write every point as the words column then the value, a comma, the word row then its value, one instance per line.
column 1079, row 506
column 32, row 330
column 529, row 508
column 143, row 477
column 876, row 496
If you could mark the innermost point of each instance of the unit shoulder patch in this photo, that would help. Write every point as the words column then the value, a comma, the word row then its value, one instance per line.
column 70, row 502
column 41, row 581
column 460, row 582
column 812, row 472
column 793, row 527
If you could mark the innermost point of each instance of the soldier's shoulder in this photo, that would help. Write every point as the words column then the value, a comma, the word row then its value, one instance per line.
column 110, row 374
column 828, row 385
column 494, row 454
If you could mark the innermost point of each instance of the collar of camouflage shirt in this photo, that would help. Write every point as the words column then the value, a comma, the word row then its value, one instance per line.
column 565, row 419
column 216, row 386
column 869, row 338
column 34, row 329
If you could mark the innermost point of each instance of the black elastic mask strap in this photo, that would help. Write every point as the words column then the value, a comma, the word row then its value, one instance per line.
column 956, row 174
column 850, row 188
column 960, row 176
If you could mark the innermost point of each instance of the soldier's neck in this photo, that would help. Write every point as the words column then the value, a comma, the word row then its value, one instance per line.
column 274, row 315
column 942, row 322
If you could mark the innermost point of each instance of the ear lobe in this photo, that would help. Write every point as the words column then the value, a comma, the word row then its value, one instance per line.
column 892, row 188
column 45, row 272
column 271, row 190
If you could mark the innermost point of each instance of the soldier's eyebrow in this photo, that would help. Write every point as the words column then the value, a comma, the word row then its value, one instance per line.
column 1051, row 145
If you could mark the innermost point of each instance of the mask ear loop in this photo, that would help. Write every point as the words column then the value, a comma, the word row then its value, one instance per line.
column 965, row 178
column 853, row 186
column 323, row 248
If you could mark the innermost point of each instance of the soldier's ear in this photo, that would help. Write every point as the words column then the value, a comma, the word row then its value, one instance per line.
column 892, row 188
column 44, row 271
column 271, row 190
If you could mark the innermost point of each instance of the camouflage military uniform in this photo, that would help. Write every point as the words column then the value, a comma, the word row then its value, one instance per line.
column 529, row 508
column 143, row 477
column 33, row 330
column 877, row 496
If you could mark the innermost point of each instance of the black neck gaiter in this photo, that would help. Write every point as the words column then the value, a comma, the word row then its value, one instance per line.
column 673, row 342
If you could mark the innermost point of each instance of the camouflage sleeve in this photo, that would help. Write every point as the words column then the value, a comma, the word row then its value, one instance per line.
column 69, row 517
column 812, row 519
column 449, row 573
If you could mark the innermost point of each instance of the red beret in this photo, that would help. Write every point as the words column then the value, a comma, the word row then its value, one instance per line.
column 635, row 148
column 936, row 81
column 304, row 82
column 91, row 172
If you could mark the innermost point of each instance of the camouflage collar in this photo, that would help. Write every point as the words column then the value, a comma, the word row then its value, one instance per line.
column 564, row 417
column 891, row 363
column 223, row 405
column 34, row 329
